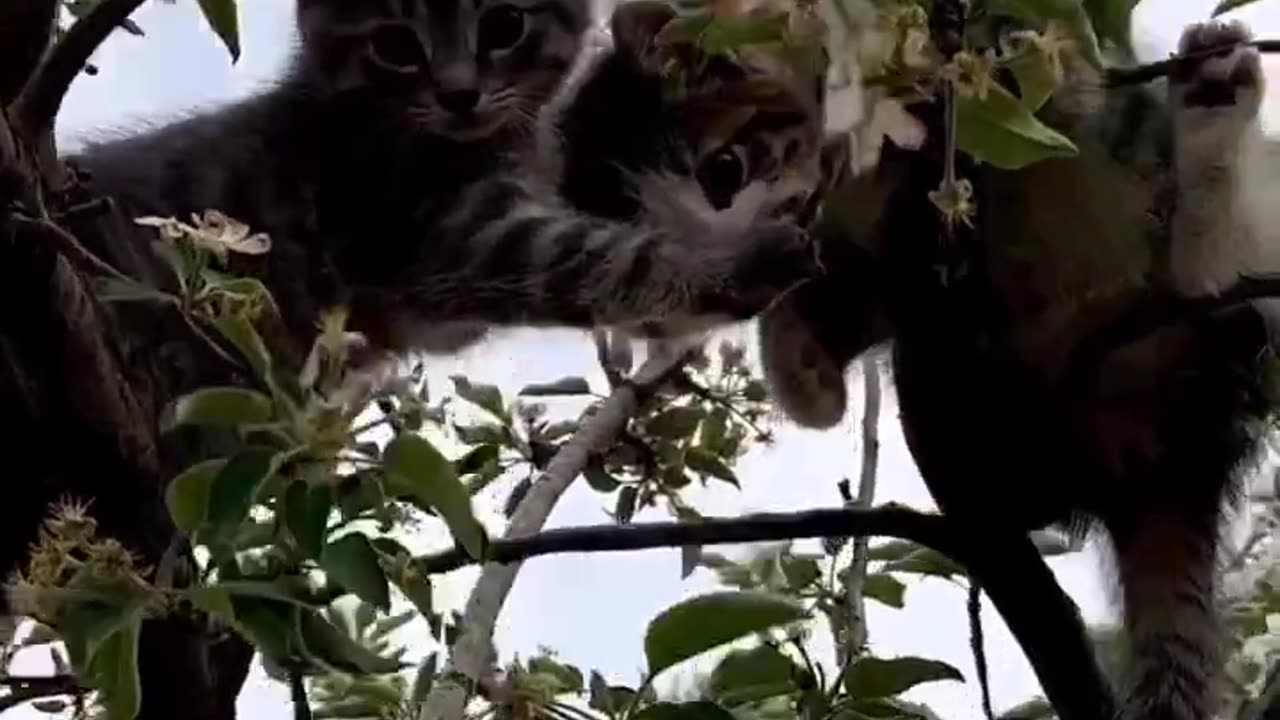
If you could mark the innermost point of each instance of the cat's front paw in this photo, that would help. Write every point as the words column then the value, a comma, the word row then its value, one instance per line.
column 1217, row 93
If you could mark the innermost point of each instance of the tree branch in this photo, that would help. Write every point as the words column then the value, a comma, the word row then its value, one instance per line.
column 887, row 521
column 855, row 636
column 25, row 688
column 1139, row 74
column 472, row 655
column 26, row 26
column 41, row 97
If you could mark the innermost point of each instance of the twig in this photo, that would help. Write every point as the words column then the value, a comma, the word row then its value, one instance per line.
column 38, row 103
column 71, row 247
column 472, row 655
column 24, row 688
column 298, row 695
column 888, row 521
column 856, row 579
column 1139, row 74
column 978, row 645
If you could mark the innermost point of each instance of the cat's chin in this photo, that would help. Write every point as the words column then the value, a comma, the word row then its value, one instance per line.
column 473, row 129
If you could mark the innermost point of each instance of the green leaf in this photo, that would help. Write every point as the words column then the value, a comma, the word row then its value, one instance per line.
column 1001, row 131
column 697, row 710
column 1035, row 75
column 187, row 496
column 268, row 624
column 330, row 647
column 353, row 563
column 237, row 329
column 486, row 433
column 487, row 397
column 926, row 561
column 700, row 460
column 111, row 289
column 1227, row 5
column 477, row 459
column 386, row 626
column 711, row 438
column 568, row 678
column 234, row 488
column 872, row 677
column 218, row 406
column 676, row 423
column 893, row 550
column 360, row 493
column 291, row 589
column 1080, row 16
column 425, row 679
column 432, row 481
column 746, row 676
column 1034, row 709
column 306, row 514
column 223, row 19
column 1112, row 19
column 701, row 623
column 800, row 571
column 727, row 33
column 626, row 506
column 597, row 477
column 114, row 670
column 886, row 589
column 86, row 626
column 416, row 586
column 563, row 386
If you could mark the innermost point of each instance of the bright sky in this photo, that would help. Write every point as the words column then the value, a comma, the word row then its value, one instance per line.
column 593, row 609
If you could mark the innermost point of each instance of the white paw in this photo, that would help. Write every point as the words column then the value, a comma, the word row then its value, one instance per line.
column 1215, row 97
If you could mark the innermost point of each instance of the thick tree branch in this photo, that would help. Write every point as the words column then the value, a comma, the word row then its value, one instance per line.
column 473, row 655
column 41, row 97
column 26, row 26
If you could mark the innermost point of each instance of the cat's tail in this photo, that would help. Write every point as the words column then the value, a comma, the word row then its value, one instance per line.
column 1166, row 565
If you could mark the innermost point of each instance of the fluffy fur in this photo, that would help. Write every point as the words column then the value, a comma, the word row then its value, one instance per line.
column 390, row 166
column 732, row 144
column 1164, row 199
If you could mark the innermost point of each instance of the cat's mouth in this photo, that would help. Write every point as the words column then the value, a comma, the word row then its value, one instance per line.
column 468, row 128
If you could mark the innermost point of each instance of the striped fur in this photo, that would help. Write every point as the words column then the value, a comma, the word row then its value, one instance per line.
column 430, row 219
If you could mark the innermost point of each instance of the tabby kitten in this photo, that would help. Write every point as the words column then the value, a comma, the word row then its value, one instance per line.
column 710, row 150
column 389, row 167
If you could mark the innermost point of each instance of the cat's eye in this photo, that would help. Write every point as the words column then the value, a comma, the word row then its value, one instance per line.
column 501, row 27
column 722, row 175
column 396, row 47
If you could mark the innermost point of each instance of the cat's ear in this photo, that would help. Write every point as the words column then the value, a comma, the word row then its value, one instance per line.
column 635, row 27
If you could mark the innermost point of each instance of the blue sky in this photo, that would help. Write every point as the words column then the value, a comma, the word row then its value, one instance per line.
column 593, row 608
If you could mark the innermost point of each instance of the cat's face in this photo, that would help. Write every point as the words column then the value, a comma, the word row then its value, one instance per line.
column 464, row 69
column 744, row 134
